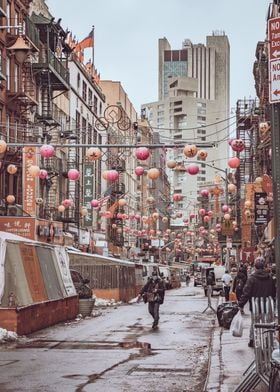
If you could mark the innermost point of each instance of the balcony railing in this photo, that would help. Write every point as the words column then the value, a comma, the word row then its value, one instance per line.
column 31, row 33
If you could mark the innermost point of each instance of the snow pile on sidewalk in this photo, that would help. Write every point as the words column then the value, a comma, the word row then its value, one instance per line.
column 101, row 302
column 7, row 336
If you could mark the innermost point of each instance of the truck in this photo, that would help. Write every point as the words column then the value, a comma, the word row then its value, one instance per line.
column 219, row 271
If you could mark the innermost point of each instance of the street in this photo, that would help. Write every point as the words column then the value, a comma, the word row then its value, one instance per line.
column 117, row 351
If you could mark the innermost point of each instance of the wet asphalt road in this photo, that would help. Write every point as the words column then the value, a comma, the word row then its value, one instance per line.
column 117, row 351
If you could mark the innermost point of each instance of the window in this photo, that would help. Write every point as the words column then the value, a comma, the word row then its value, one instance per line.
column 8, row 82
column 78, row 81
column 90, row 97
column 8, row 127
column 95, row 104
column 84, row 92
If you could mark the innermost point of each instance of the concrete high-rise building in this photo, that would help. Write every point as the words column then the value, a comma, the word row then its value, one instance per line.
column 193, row 108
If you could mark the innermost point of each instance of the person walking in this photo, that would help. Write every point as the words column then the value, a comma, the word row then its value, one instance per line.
column 153, row 292
column 260, row 284
column 227, row 280
column 239, row 283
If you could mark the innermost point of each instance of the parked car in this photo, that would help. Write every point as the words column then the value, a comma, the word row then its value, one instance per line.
column 81, row 284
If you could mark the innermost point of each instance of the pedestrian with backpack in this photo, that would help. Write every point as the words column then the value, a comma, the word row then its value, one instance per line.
column 239, row 283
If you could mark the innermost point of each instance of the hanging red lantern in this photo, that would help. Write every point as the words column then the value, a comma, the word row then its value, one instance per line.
column 234, row 163
column 95, row 203
column 177, row 197
column 12, row 169
column 47, row 151
column 193, row 169
column 43, row 174
column 237, row 145
column 225, row 208
column 112, row 175
column 142, row 153
column 210, row 213
column 139, row 171
column 190, row 150
column 204, row 193
column 227, row 216
column 202, row 155
column 202, row 212
column 206, row 218
column 73, row 174
column 67, row 203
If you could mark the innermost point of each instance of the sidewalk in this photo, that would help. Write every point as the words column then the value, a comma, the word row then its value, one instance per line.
column 230, row 357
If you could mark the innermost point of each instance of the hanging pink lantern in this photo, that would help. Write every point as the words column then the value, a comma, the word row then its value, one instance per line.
column 105, row 174
column 10, row 199
column 108, row 214
column 201, row 228
column 112, row 175
column 202, row 155
column 93, row 154
column 193, row 169
column 192, row 216
column 95, row 203
column 270, row 153
column 210, row 213
column 67, row 203
column 73, row 174
column 177, row 197
column 153, row 173
column 218, row 226
column 137, row 217
column 122, row 202
column 202, row 212
column 139, row 171
column 237, row 145
column 43, row 174
column 150, row 199
column 206, row 218
column 12, row 169
column 225, row 208
column 234, row 163
column 142, row 153
column 204, row 193
column 34, row 171
column 231, row 188
column 164, row 219
column 47, row 151
column 155, row 215
column 227, row 216
column 185, row 220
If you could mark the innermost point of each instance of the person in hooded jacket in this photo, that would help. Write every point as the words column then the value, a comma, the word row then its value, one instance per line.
column 239, row 283
column 259, row 285
column 153, row 292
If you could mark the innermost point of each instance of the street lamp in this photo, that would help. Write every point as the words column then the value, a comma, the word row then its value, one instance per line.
column 20, row 48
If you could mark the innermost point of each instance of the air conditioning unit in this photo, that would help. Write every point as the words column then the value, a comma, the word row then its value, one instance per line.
column 14, row 210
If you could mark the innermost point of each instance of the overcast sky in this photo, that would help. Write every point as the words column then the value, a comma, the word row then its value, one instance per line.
column 127, row 33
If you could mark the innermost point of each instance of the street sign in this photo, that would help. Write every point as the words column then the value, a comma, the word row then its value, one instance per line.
column 274, row 59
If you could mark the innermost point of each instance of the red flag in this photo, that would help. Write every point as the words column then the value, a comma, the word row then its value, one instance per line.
column 87, row 42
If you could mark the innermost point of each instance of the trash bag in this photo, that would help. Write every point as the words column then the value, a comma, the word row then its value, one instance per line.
column 225, row 313
column 236, row 327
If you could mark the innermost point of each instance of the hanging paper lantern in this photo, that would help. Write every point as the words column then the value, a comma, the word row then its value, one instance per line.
column 34, row 171
column 105, row 174
column 73, row 174
column 83, row 211
column 95, row 203
column 210, row 213
column 150, row 199
column 202, row 212
column 12, row 169
column 139, row 171
column 201, row 228
column 237, row 145
column 231, row 188
column 248, row 204
column 93, row 154
column 3, row 146
column 137, row 217
column 206, row 218
column 122, row 202
column 193, row 169
column 112, row 175
column 204, row 193
column 142, row 153
column 247, row 213
column 185, row 220
column 227, row 216
column 264, row 127
column 10, row 199
column 114, row 226
column 67, row 203
column 270, row 153
column 234, row 162
column 155, row 215
column 164, row 219
column 225, row 208
column 108, row 214
column 171, row 164
column 177, row 197
column 202, row 155
column 47, row 151
column 258, row 180
column 153, row 173
column 43, row 174
column 179, row 214
column 192, row 216
column 61, row 208
column 190, row 150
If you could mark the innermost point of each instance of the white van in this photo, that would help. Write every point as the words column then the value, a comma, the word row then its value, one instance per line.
column 148, row 269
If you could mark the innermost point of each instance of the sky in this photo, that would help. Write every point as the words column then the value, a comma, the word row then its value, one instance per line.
column 127, row 33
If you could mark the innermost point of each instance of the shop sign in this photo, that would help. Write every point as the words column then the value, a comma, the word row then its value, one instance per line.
column 22, row 226
column 88, row 193
column 261, row 208
column 29, row 182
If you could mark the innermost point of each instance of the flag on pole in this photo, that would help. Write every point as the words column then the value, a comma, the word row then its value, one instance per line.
column 87, row 42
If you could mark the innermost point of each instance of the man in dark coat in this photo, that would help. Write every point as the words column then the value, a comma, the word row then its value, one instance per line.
column 239, row 283
column 153, row 293
column 259, row 285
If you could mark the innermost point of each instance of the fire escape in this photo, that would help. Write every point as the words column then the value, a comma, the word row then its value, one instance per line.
column 52, row 78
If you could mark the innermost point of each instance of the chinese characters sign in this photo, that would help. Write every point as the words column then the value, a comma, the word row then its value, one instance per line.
column 261, row 208
column 24, row 227
column 88, row 193
column 29, row 182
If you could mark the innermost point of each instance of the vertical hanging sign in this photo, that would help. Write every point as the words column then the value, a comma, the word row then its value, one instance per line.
column 88, row 193
column 274, row 59
column 29, row 182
